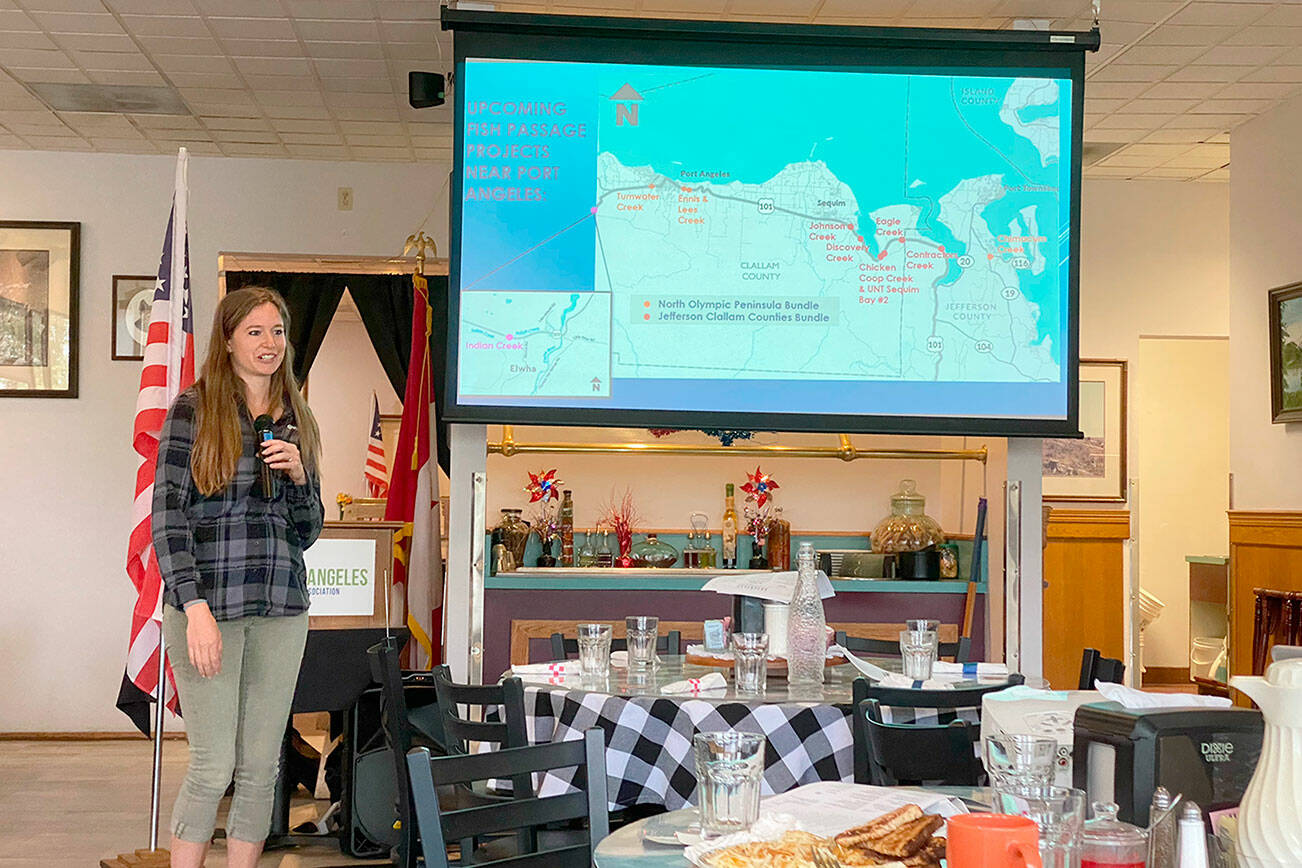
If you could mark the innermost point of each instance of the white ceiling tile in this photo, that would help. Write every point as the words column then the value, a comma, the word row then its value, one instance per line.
column 1114, row 89
column 365, row 113
column 28, row 117
column 1196, row 72
column 92, row 6
column 264, row 83
column 1173, row 34
column 351, row 68
column 337, row 31
column 1220, row 13
column 1290, row 58
column 1183, row 89
column 398, row 141
column 124, row 76
column 241, row 8
column 55, row 143
column 1146, row 11
column 263, row 47
column 373, row 84
column 1156, row 151
column 1201, row 157
column 100, row 42
column 246, row 149
column 226, row 81
column 423, row 51
column 389, row 128
column 289, row 125
column 1144, row 105
column 264, row 137
column 1232, row 106
column 1144, row 53
column 1108, row 172
column 20, row 100
column 196, row 63
column 1164, row 173
column 180, row 45
column 1096, row 106
column 77, row 22
column 1216, row 175
column 216, row 124
column 203, row 149
column 165, row 122
column 1287, row 14
column 1122, row 32
column 298, row 111
column 50, row 76
column 11, row 20
column 318, row 152
column 1228, row 55
column 409, row 31
column 273, row 65
column 415, row 10
column 166, row 25
column 1132, row 122
column 402, row 155
column 1219, row 138
column 37, row 59
column 276, row 98
column 223, row 109
column 1260, row 35
column 1205, row 121
column 1257, row 90
column 112, row 60
column 432, row 141
column 365, row 50
column 311, row 138
column 151, row 7
column 336, row 9
column 1276, row 72
column 1175, row 136
column 360, row 100
column 252, row 28
column 440, row 155
column 1131, row 72
column 23, row 39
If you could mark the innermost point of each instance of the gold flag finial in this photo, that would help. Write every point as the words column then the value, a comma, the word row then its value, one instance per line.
column 420, row 242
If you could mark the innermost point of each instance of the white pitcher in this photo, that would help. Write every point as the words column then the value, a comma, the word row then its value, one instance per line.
column 1270, row 815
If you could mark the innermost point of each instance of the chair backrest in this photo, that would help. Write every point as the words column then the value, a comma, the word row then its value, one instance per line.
column 588, row 756
column 908, row 697
column 386, row 669
column 564, row 647
column 1095, row 667
column 507, row 731
column 911, row 754
column 960, row 651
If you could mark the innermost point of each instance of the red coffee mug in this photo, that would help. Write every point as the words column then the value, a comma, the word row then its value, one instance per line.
column 992, row 841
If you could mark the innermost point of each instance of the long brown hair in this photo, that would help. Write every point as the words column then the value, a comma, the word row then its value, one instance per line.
column 218, row 442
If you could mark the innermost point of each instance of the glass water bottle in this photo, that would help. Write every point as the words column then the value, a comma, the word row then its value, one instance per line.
column 806, row 624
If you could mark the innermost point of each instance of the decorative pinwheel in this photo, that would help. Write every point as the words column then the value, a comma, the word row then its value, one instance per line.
column 759, row 487
column 544, row 486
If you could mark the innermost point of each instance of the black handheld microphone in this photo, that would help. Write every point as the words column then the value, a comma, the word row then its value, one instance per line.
column 262, row 426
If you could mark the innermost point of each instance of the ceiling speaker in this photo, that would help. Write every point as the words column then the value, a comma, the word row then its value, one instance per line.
column 425, row 89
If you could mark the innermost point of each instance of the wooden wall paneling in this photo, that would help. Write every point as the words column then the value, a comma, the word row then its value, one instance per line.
column 1085, row 589
column 1265, row 552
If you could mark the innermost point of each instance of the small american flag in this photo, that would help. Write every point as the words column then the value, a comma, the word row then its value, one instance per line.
column 377, row 468
column 168, row 370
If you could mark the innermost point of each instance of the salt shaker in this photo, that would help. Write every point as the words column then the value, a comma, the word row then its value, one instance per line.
column 1110, row 843
column 1193, row 838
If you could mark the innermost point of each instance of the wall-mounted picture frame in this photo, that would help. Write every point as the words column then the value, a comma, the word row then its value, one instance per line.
column 133, row 301
column 1286, row 353
column 1092, row 468
column 39, row 273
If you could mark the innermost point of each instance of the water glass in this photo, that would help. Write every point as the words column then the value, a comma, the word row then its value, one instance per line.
column 922, row 626
column 642, row 631
column 750, row 661
column 729, row 771
column 1059, row 812
column 594, row 650
column 917, row 652
column 1021, row 760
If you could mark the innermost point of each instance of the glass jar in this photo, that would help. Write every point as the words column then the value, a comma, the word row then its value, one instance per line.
column 1109, row 843
column 908, row 528
column 653, row 552
column 514, row 533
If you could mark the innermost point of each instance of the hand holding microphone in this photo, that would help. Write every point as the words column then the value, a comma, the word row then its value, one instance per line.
column 276, row 455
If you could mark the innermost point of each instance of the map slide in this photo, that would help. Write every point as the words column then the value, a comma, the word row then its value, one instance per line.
column 629, row 239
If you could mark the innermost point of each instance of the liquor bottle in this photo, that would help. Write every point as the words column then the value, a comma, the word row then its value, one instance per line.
column 807, row 624
column 691, row 560
column 779, row 542
column 707, row 555
column 730, row 523
column 757, row 559
column 605, row 557
column 567, row 529
column 587, row 552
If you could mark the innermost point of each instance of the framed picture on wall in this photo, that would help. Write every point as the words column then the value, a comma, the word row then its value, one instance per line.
column 1094, row 467
column 39, row 268
column 133, row 300
column 1286, row 353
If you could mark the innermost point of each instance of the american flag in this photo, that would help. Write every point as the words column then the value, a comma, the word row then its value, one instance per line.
column 377, row 469
column 168, row 370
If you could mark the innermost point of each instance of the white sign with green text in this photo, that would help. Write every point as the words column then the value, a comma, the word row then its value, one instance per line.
column 341, row 576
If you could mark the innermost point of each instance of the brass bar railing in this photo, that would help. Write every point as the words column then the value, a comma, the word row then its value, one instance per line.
column 846, row 450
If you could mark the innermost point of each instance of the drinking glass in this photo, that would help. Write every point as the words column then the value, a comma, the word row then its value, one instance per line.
column 920, row 626
column 1059, row 812
column 729, row 771
column 642, row 632
column 1021, row 760
column 917, row 653
column 750, row 661
column 594, row 650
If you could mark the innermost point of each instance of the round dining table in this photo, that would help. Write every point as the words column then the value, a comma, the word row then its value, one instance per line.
column 648, row 731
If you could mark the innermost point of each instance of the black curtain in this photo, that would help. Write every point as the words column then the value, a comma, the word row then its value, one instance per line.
column 384, row 302
column 312, row 300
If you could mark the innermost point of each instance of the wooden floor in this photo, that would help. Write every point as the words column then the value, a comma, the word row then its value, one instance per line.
column 68, row 803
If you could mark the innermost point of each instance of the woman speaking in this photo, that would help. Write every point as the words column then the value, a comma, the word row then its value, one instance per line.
column 230, row 549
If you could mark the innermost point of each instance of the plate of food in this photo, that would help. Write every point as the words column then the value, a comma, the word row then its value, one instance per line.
column 906, row 837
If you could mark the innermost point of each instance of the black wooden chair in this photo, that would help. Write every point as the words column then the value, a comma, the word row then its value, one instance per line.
column 402, row 731
column 959, row 652
column 440, row 824
column 1095, row 667
column 565, row 647
column 914, row 754
column 906, row 697
column 508, row 730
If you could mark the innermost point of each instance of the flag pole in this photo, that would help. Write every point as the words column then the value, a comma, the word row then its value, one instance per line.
column 155, row 797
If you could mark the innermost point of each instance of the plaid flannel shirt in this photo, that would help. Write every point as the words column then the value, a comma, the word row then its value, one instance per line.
column 235, row 549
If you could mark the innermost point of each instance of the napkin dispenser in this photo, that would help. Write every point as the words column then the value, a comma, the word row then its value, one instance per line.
column 1121, row 755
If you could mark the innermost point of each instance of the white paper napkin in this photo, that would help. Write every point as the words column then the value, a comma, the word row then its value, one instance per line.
column 710, row 681
column 560, row 668
column 970, row 670
column 1129, row 697
column 894, row 679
